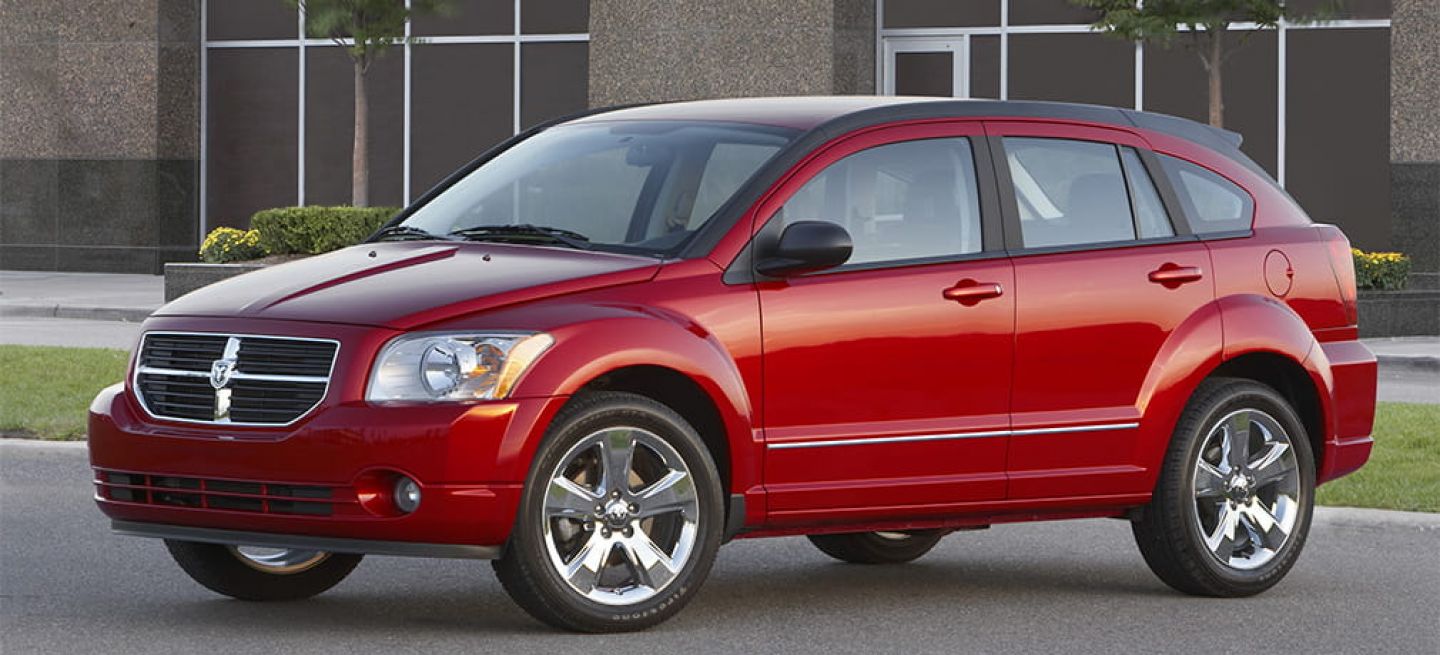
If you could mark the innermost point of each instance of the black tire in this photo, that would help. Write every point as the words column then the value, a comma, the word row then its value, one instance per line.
column 876, row 547
column 525, row 570
column 222, row 571
column 1167, row 532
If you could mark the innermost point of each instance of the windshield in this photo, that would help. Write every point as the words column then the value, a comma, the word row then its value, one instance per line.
column 628, row 186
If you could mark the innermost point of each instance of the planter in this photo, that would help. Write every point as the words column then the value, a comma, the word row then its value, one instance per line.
column 1413, row 312
column 181, row 279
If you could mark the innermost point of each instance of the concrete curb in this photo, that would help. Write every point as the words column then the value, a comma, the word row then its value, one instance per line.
column 122, row 314
column 1376, row 518
column 41, row 444
column 1409, row 362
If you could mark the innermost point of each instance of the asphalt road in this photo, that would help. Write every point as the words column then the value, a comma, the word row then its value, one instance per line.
column 68, row 586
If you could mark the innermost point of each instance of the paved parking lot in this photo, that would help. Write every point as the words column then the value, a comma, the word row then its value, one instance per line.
column 68, row 586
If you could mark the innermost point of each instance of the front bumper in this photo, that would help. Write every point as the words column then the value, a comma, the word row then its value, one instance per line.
column 318, row 478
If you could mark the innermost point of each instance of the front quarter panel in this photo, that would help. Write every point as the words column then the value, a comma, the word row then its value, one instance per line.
column 604, row 331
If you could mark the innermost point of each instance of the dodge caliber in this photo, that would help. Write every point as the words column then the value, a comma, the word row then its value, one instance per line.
column 621, row 339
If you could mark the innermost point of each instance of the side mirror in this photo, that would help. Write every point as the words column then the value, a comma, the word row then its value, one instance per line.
column 805, row 247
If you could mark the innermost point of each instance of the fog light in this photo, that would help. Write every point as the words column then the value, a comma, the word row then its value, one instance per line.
column 407, row 494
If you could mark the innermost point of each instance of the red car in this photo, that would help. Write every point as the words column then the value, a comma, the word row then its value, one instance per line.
column 621, row 339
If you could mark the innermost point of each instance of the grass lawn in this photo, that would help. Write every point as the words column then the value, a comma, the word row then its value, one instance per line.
column 45, row 391
column 1404, row 469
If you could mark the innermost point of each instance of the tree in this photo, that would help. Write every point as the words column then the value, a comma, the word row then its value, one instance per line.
column 366, row 29
column 1205, row 22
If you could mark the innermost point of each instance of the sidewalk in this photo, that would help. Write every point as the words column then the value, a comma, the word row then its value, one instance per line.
column 130, row 298
column 86, row 296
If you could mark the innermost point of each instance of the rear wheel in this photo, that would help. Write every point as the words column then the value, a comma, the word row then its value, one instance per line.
column 620, row 519
column 877, row 547
column 1233, row 505
column 261, row 574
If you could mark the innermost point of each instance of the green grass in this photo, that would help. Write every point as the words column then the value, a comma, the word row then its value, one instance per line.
column 1404, row 469
column 45, row 391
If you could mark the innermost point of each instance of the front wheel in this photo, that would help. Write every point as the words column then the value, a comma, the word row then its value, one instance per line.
column 1232, row 508
column 620, row 519
column 261, row 574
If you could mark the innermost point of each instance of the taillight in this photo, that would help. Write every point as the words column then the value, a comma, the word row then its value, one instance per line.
column 1342, row 262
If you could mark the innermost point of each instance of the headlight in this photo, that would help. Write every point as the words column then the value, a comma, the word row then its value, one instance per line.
column 440, row 367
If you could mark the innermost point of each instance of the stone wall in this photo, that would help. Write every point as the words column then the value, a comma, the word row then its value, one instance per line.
column 655, row 50
column 99, row 134
column 1415, row 135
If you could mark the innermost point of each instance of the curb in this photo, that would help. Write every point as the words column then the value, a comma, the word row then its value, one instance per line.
column 1376, row 518
column 1409, row 362
column 41, row 444
column 123, row 314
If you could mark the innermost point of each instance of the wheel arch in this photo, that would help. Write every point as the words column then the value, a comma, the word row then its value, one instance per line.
column 685, row 369
column 1246, row 336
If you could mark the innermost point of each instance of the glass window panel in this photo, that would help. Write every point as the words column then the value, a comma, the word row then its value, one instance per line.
column 924, row 74
column 555, row 80
column 232, row 20
column 942, row 13
column 1150, row 213
column 1213, row 203
column 467, row 18
column 902, row 201
column 1068, row 192
column 555, row 16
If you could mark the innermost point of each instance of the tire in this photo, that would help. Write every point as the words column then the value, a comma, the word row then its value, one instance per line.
column 1203, row 488
column 284, row 575
column 877, row 547
column 578, row 557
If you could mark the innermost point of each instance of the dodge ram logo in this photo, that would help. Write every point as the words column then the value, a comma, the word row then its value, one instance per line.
column 220, row 372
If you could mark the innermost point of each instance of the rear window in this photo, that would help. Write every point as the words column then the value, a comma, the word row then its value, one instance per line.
column 1213, row 203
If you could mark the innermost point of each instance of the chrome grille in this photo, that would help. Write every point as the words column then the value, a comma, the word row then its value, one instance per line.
column 232, row 379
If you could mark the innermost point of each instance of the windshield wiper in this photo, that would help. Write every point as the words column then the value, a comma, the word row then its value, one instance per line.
column 405, row 233
column 525, row 233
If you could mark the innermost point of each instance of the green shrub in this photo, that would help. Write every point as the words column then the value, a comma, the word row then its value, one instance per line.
column 313, row 230
column 1380, row 270
column 227, row 244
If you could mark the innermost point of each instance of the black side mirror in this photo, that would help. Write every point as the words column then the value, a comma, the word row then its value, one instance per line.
column 805, row 247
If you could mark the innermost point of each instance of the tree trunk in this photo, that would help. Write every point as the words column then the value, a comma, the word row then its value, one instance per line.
column 360, row 156
column 1214, row 62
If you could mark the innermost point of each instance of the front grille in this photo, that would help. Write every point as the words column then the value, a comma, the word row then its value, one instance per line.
column 270, row 381
column 230, row 495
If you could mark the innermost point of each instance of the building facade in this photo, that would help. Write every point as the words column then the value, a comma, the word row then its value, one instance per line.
column 121, row 158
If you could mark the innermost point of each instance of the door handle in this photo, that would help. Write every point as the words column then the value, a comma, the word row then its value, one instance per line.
column 1174, row 275
column 968, row 292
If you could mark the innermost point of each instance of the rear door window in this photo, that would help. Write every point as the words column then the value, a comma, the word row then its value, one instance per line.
column 1068, row 192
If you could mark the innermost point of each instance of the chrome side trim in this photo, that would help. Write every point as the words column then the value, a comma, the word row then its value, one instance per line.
column 302, row 542
column 907, row 438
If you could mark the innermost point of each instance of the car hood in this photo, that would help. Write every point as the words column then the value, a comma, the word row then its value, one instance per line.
column 403, row 285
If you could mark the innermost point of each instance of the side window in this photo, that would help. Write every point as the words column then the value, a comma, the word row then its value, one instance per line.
column 1213, row 203
column 899, row 201
column 1150, row 217
column 1068, row 192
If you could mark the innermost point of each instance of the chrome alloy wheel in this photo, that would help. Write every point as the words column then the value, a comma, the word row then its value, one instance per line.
column 279, row 561
column 1247, row 489
column 621, row 516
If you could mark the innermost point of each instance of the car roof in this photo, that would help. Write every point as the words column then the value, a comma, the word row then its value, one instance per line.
column 835, row 115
